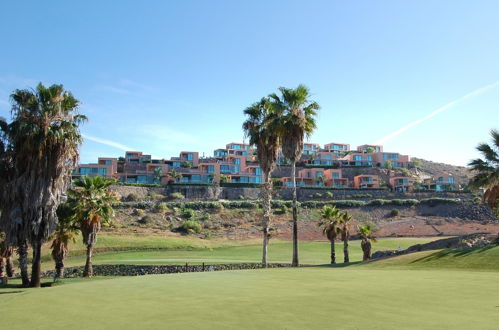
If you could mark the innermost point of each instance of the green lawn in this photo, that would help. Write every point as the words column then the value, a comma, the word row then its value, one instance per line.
column 179, row 251
column 314, row 297
column 448, row 289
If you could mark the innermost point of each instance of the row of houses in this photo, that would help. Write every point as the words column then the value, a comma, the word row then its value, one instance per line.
column 320, row 177
column 236, row 163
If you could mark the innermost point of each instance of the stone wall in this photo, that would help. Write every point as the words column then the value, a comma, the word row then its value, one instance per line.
column 136, row 270
column 209, row 192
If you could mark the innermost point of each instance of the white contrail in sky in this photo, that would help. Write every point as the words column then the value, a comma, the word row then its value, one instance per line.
column 107, row 142
column 436, row 112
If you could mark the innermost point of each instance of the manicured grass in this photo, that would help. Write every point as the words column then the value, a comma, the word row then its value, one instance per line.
column 194, row 252
column 313, row 297
column 484, row 259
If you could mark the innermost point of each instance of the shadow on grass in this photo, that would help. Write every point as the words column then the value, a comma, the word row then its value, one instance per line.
column 340, row 265
column 452, row 253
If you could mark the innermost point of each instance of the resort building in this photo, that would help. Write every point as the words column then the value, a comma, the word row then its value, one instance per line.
column 401, row 183
column 237, row 163
column 441, row 182
column 366, row 181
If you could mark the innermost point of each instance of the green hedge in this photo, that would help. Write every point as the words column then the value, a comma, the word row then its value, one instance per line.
column 240, row 185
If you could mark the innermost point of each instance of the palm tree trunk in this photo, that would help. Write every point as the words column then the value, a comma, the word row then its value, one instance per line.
column 346, row 257
column 366, row 249
column 36, row 265
column 3, row 273
column 10, row 267
column 295, row 216
column 22, row 251
column 267, row 209
column 89, row 271
column 59, row 268
column 333, row 253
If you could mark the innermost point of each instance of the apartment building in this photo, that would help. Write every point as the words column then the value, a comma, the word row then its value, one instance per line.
column 366, row 181
column 401, row 183
column 318, row 177
column 237, row 163
column 441, row 181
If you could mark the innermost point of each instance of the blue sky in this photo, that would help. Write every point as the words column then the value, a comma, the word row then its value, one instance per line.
column 166, row 76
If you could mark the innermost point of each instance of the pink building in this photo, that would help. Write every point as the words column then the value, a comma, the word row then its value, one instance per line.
column 366, row 181
column 401, row 183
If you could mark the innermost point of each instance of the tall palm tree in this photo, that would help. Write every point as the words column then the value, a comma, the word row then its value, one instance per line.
column 259, row 127
column 345, row 219
column 65, row 233
column 487, row 170
column 39, row 151
column 297, row 121
column 330, row 219
column 93, row 205
column 366, row 233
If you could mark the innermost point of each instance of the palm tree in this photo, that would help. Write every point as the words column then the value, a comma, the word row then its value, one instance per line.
column 175, row 175
column 330, row 219
column 39, row 151
column 6, row 264
column 92, row 202
column 345, row 218
column 66, row 232
column 487, row 170
column 366, row 233
column 262, row 134
column 158, row 174
column 297, row 120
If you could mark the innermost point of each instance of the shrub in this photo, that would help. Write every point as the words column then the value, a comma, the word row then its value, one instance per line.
column 146, row 219
column 138, row 212
column 157, row 197
column 190, row 227
column 160, row 207
column 176, row 196
column 328, row 194
column 438, row 200
column 186, row 213
column 394, row 213
column 404, row 202
column 377, row 202
column 281, row 210
column 132, row 197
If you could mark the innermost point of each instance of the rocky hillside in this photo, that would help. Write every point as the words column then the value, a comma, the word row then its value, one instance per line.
column 429, row 168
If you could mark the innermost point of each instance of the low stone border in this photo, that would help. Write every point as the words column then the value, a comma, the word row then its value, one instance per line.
column 137, row 270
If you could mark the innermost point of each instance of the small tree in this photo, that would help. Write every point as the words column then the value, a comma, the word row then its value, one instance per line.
column 66, row 232
column 186, row 164
column 345, row 219
column 366, row 233
column 92, row 202
column 175, row 175
column 158, row 174
column 330, row 219
column 388, row 165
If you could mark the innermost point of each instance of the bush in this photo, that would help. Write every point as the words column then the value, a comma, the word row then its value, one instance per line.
column 132, row 197
column 438, row 200
column 155, row 196
column 281, row 210
column 176, row 195
column 160, row 207
column 328, row 194
column 187, row 213
column 377, row 202
column 190, row 227
column 138, row 212
column 146, row 219
column 394, row 213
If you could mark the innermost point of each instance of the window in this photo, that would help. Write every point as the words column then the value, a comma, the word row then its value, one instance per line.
column 319, row 174
column 357, row 158
column 258, row 171
column 336, row 175
column 451, row 179
column 328, row 157
column 211, row 168
column 102, row 171
column 95, row 170
column 237, row 161
column 108, row 162
column 84, row 170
